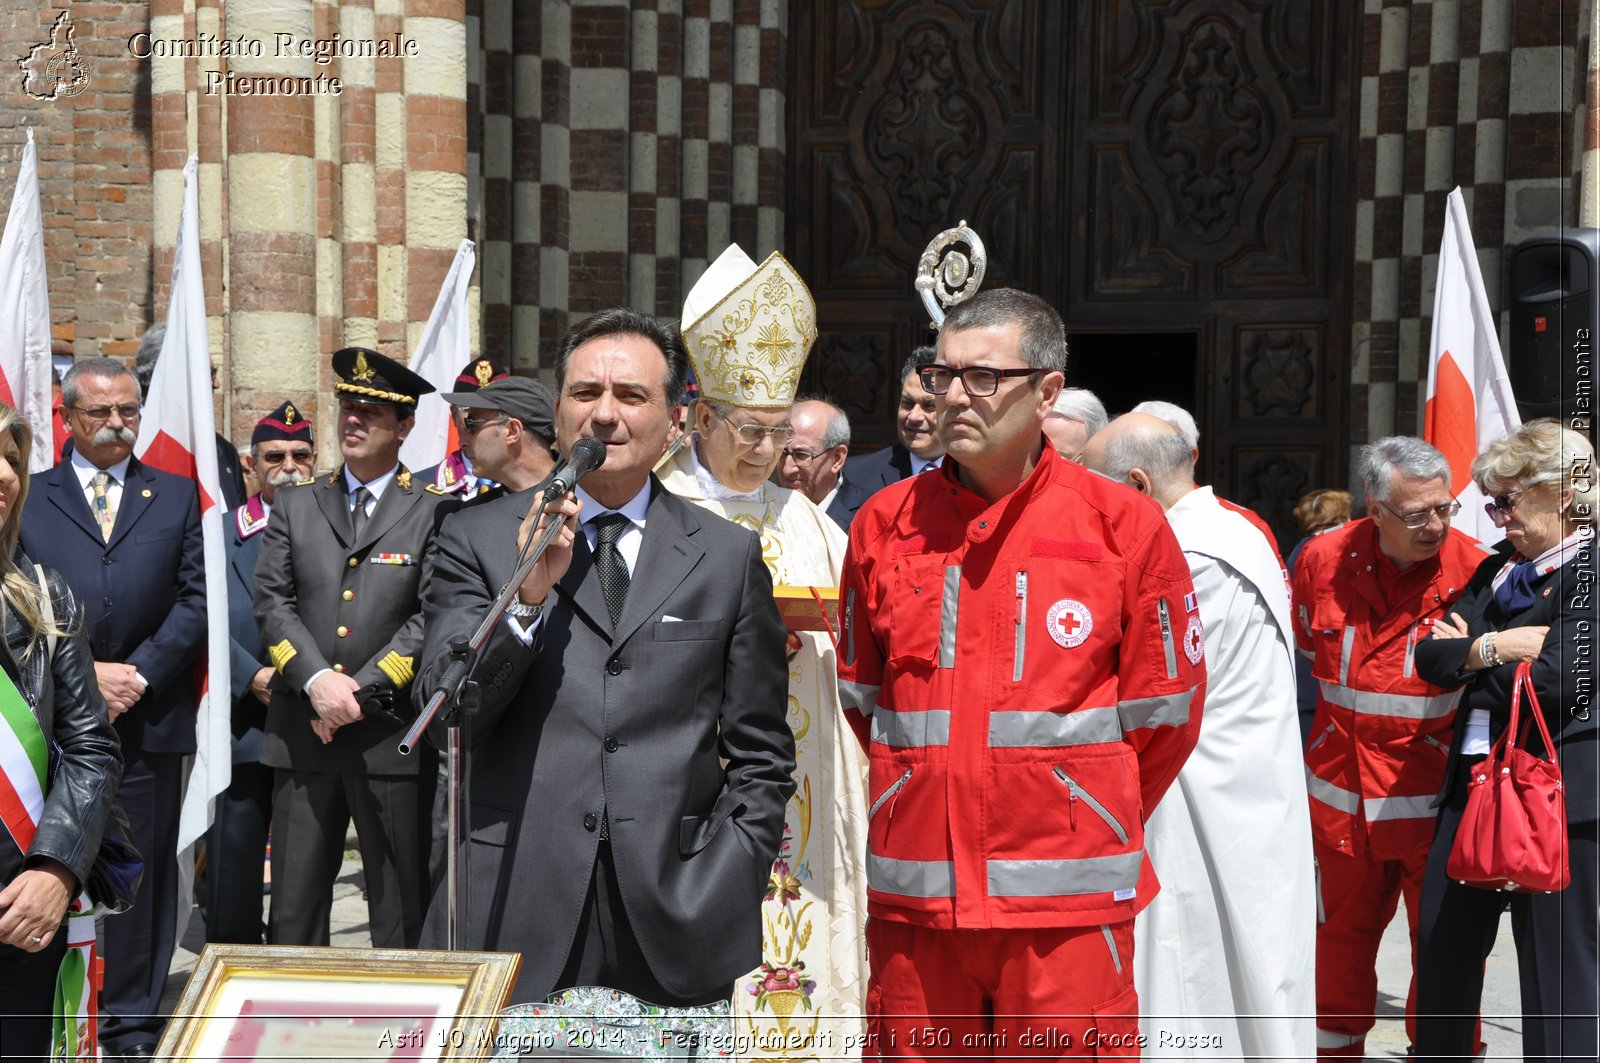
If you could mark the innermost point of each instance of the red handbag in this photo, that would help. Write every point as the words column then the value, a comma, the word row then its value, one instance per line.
column 1513, row 834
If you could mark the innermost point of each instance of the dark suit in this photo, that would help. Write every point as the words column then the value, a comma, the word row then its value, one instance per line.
column 229, row 474
column 849, row 498
column 1555, row 933
column 236, row 844
column 878, row 469
column 326, row 599
column 633, row 725
column 143, row 596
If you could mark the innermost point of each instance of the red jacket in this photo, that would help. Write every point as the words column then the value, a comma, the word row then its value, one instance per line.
column 1381, row 734
column 1032, row 675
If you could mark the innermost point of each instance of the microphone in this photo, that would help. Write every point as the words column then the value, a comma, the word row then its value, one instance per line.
column 587, row 456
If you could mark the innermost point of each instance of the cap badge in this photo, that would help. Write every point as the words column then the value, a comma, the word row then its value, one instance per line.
column 360, row 371
column 288, row 414
column 484, row 372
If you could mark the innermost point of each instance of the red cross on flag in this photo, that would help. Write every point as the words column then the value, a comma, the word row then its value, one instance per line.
column 1470, row 404
column 177, row 435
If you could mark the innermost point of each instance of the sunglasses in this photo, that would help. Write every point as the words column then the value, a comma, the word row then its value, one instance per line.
column 275, row 457
column 1500, row 506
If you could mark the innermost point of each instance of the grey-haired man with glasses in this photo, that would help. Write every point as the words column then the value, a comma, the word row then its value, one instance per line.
column 1365, row 594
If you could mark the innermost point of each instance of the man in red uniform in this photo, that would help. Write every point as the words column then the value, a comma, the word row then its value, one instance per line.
column 1364, row 595
column 1023, row 648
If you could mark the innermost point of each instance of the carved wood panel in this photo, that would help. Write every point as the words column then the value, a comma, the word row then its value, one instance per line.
column 1147, row 165
column 907, row 118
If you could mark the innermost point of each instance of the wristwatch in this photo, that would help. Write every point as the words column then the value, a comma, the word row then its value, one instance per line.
column 523, row 611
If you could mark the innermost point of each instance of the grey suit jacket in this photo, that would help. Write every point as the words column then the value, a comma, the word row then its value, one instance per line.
column 325, row 601
column 635, row 724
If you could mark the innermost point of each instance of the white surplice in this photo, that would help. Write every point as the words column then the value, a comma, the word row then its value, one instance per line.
column 1224, row 957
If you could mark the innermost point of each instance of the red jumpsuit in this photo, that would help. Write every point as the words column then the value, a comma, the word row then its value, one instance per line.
column 1376, row 756
column 1031, row 676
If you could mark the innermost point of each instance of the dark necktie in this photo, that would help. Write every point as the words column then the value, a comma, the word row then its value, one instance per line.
column 608, row 561
column 358, row 512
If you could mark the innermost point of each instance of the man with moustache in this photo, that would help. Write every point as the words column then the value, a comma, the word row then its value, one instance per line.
column 281, row 453
column 919, row 447
column 630, row 761
column 127, row 539
column 816, row 908
column 344, row 562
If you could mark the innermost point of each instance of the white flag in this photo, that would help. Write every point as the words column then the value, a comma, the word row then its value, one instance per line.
column 178, row 435
column 1469, row 395
column 445, row 346
column 25, row 311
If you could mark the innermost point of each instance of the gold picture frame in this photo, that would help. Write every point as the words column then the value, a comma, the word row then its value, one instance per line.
column 282, row 1002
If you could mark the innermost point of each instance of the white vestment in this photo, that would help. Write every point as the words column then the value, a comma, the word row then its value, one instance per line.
column 807, row 999
column 1224, row 957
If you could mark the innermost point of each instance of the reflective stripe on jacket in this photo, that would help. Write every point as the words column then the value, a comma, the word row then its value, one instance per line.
column 1031, row 677
column 1381, row 735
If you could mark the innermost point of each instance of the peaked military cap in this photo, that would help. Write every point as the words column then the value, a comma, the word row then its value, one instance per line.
column 367, row 376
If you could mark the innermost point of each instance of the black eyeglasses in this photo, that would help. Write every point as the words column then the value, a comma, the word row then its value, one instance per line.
column 275, row 457
column 801, row 456
column 128, row 411
column 979, row 380
column 1501, row 506
column 471, row 424
column 1419, row 518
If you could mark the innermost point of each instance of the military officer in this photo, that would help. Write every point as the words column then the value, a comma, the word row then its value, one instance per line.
column 456, row 473
column 344, row 561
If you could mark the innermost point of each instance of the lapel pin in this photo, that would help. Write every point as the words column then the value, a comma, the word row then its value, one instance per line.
column 145, row 492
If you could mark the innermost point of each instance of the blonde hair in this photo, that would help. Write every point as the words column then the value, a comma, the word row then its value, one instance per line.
column 21, row 589
column 1323, row 508
column 1541, row 452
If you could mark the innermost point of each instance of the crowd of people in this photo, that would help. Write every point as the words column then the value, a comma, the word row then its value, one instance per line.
column 1010, row 739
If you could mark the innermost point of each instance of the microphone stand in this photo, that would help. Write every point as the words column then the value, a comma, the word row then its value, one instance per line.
column 462, row 696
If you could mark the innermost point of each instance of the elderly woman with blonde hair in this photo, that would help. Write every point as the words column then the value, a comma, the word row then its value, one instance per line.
column 1533, row 600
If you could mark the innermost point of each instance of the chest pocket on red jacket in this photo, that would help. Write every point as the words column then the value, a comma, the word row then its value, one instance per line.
column 923, row 611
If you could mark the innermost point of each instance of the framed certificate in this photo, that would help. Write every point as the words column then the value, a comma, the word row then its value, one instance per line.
column 276, row 1002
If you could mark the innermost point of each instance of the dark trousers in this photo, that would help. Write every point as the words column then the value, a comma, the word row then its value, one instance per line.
column 236, row 846
column 310, row 813
column 27, row 987
column 137, row 945
column 1557, row 959
column 605, row 951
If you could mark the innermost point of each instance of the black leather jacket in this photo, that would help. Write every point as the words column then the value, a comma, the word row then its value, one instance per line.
column 85, row 754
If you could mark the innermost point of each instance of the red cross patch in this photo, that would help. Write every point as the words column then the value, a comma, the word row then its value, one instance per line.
column 1069, row 622
column 1194, row 640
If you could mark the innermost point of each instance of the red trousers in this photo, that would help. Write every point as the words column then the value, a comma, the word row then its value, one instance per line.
column 1356, row 900
column 1060, row 993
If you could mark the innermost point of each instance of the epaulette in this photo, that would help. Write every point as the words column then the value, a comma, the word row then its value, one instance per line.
column 307, row 482
column 435, row 489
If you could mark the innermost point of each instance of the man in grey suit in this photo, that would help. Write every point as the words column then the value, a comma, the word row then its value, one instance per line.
column 630, row 761
column 343, row 564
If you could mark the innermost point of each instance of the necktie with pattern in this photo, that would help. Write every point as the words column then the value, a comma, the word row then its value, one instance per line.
column 609, row 562
column 102, row 503
column 358, row 512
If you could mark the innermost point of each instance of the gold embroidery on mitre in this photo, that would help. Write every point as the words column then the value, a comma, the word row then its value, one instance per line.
column 749, row 347
column 483, row 372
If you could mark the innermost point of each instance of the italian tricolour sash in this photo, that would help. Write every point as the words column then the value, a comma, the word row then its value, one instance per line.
column 24, row 775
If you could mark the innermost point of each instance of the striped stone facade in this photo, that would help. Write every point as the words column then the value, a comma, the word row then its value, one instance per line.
column 602, row 151
column 615, row 148
column 1494, row 96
